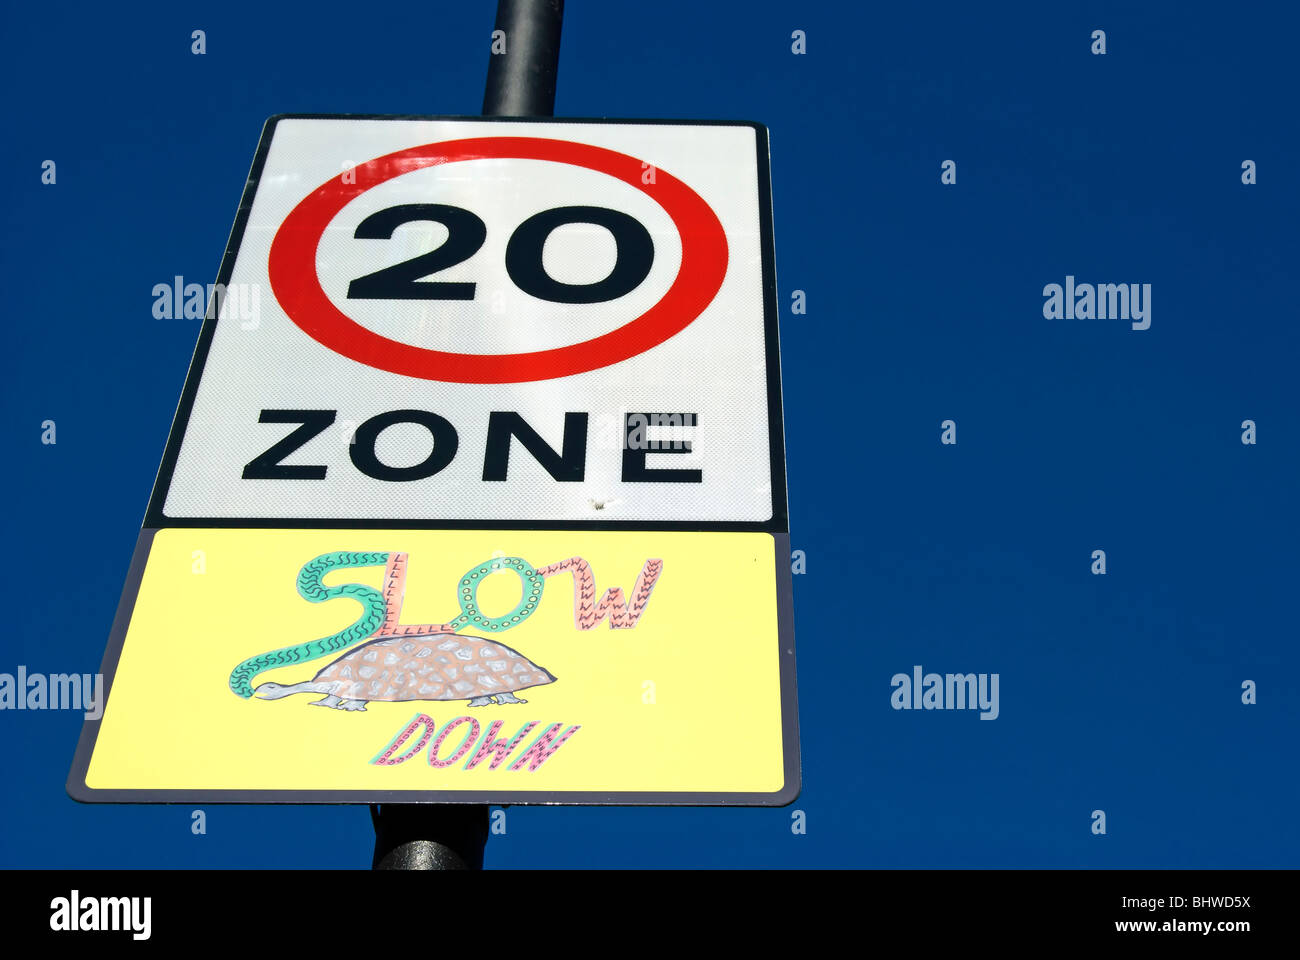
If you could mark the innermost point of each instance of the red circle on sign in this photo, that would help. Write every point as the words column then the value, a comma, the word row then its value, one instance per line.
column 292, row 267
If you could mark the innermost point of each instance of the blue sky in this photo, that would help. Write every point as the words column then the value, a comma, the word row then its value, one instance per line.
column 1120, row 692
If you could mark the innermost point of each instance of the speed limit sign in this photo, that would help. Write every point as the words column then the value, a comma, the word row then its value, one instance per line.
column 483, row 408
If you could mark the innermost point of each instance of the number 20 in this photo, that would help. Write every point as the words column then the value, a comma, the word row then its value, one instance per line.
column 465, row 235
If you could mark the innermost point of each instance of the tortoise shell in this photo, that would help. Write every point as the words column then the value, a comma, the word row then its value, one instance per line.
column 444, row 666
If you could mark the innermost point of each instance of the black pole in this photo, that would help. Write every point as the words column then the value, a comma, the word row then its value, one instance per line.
column 520, row 83
column 413, row 836
column 521, row 77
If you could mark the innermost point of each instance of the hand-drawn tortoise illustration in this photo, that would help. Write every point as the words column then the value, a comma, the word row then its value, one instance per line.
column 440, row 666
column 387, row 660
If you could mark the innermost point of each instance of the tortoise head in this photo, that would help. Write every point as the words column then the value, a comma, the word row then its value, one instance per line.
column 272, row 691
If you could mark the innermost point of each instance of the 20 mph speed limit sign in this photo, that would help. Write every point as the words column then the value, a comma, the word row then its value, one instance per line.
column 480, row 451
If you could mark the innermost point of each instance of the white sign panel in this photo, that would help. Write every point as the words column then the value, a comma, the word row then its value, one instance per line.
column 490, row 320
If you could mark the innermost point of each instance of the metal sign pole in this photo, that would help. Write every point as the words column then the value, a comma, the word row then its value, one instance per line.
column 525, row 59
column 520, row 83
column 405, row 832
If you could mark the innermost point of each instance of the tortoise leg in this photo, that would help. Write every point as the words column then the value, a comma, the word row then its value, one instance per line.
column 353, row 705
column 481, row 702
column 509, row 698
column 330, row 701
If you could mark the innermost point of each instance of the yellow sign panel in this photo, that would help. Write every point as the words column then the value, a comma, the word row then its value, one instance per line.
column 445, row 664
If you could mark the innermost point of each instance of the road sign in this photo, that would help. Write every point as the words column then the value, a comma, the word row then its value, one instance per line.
column 481, row 451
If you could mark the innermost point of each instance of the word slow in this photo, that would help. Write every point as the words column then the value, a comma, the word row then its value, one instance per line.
column 952, row 691
column 1103, row 301
column 493, row 750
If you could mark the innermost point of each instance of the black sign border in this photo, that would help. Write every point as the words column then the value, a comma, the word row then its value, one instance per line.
column 777, row 526
column 79, row 790
column 778, row 523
